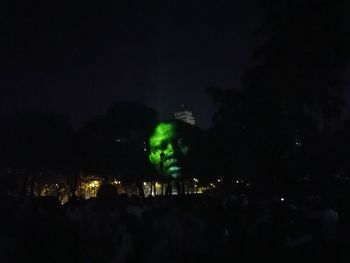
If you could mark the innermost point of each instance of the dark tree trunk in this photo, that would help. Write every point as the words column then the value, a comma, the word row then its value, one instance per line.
column 23, row 190
column 154, row 189
column 188, row 188
column 169, row 189
column 32, row 184
column 150, row 189
column 140, row 188
column 74, row 184
column 178, row 187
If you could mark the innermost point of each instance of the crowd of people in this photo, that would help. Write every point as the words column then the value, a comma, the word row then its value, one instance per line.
column 211, row 227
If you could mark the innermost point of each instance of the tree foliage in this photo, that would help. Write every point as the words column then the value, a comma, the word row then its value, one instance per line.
column 290, row 96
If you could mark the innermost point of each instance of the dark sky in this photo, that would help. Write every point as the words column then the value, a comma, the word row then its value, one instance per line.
column 77, row 58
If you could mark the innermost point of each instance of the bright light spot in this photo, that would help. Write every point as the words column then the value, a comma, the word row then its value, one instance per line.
column 94, row 184
column 237, row 182
column 116, row 182
column 196, row 180
column 144, row 183
column 219, row 180
column 282, row 199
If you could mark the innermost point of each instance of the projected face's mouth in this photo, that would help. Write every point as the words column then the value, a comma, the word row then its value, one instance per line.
column 173, row 167
column 171, row 162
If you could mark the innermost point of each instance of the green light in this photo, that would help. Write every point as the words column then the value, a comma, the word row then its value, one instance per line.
column 167, row 149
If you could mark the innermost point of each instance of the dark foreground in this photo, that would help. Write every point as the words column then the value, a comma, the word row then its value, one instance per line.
column 202, row 228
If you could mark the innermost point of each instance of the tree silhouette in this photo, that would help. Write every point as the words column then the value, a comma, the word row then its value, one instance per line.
column 115, row 144
column 35, row 143
column 266, row 129
column 298, row 65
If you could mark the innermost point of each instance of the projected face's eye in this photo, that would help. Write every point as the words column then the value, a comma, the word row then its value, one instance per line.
column 180, row 142
column 183, row 146
column 164, row 144
column 159, row 145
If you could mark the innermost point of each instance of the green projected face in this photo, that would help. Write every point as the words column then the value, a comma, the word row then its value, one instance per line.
column 167, row 150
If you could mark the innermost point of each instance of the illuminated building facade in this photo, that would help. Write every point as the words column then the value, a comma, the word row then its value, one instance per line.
column 185, row 115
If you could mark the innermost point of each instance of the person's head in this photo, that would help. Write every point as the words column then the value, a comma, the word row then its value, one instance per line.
column 168, row 148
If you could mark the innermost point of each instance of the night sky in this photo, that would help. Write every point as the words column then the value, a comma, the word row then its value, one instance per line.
column 76, row 58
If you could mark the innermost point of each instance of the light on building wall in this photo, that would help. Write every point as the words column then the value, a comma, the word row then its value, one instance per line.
column 185, row 116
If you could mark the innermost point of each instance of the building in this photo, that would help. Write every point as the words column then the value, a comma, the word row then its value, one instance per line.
column 185, row 115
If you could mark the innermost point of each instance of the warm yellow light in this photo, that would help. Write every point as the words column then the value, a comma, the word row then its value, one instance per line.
column 116, row 182
column 94, row 184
